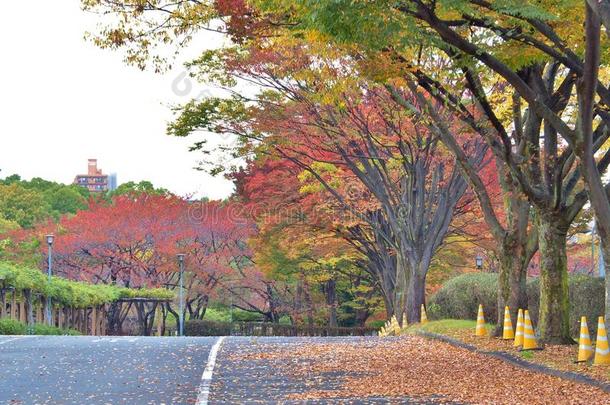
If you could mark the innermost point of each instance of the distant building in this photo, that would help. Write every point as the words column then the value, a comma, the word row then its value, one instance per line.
column 95, row 181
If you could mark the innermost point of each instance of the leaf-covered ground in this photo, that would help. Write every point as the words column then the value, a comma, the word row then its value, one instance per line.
column 559, row 357
column 413, row 367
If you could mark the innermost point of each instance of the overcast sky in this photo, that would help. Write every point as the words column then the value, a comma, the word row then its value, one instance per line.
column 63, row 101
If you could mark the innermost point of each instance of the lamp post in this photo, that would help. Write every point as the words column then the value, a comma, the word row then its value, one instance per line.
column 50, row 239
column 181, row 294
column 479, row 262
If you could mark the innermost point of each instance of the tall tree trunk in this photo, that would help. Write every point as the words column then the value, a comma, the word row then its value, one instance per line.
column 401, row 287
column 175, row 314
column 605, row 246
column 518, row 289
column 30, row 306
column 2, row 302
column 416, row 296
column 388, row 293
column 331, row 301
column 308, row 303
column 553, row 318
column 273, row 304
column 512, row 277
column 601, row 205
column 360, row 317
column 298, row 307
column 389, row 305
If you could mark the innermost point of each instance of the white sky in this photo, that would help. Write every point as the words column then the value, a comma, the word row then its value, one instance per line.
column 63, row 101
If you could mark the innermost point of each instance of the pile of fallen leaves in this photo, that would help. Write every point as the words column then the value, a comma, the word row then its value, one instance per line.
column 416, row 367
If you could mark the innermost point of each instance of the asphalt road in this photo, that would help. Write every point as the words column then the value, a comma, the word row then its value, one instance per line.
column 148, row 370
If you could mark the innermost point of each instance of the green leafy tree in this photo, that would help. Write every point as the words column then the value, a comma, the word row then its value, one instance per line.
column 24, row 206
column 138, row 188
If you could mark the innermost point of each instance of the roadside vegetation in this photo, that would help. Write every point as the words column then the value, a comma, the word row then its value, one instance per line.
column 13, row 327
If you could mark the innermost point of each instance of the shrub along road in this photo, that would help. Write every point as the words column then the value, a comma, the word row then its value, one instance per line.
column 413, row 370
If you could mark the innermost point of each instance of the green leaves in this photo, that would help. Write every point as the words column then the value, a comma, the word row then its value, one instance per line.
column 206, row 115
column 524, row 9
column 71, row 293
column 29, row 202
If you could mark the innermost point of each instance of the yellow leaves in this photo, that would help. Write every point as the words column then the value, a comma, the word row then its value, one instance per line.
column 569, row 22
column 382, row 67
column 500, row 99
column 311, row 185
column 142, row 27
column 517, row 55
column 144, row 255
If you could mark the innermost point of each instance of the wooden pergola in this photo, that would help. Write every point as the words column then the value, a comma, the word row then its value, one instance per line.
column 146, row 309
column 30, row 308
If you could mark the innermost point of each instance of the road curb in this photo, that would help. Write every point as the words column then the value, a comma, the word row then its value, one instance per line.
column 509, row 358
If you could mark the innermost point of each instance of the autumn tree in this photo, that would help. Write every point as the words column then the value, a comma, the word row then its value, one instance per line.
column 234, row 14
column 299, row 246
column 528, row 53
column 328, row 123
column 216, row 247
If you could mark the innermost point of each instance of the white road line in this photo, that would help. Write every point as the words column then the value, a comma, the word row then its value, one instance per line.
column 13, row 339
column 206, row 377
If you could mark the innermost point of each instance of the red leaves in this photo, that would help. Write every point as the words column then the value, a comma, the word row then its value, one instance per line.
column 134, row 239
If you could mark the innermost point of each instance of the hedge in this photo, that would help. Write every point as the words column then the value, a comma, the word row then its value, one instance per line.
column 71, row 293
column 211, row 328
column 459, row 298
column 13, row 327
column 207, row 328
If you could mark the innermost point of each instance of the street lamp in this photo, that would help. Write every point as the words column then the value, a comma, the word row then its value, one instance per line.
column 181, row 295
column 479, row 262
column 50, row 239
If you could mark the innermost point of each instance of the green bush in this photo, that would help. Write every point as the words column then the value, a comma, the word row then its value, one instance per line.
column 239, row 315
column 217, row 314
column 11, row 327
column 460, row 297
column 206, row 328
column 42, row 329
column 586, row 297
column 376, row 324
column 221, row 313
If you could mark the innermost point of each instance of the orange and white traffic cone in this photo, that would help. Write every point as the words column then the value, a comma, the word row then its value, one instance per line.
column 529, row 336
column 602, row 352
column 423, row 317
column 507, row 333
column 585, row 350
column 480, row 329
column 519, row 333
